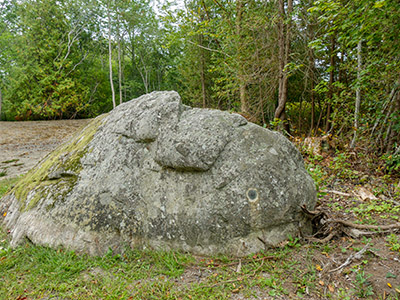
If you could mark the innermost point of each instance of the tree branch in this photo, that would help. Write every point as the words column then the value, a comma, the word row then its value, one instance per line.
column 209, row 49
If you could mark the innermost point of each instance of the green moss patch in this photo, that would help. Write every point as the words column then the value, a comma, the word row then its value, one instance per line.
column 66, row 158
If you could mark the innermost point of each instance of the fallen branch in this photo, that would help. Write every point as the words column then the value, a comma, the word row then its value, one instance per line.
column 351, row 258
column 368, row 227
column 337, row 193
column 327, row 228
column 356, row 233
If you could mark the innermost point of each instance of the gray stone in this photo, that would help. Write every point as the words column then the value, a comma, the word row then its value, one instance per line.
column 156, row 173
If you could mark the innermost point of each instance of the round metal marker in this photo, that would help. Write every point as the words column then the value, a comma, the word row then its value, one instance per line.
column 252, row 195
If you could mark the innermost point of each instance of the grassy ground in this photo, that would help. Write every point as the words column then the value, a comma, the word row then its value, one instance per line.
column 298, row 269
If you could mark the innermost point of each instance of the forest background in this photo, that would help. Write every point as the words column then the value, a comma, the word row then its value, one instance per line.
column 309, row 68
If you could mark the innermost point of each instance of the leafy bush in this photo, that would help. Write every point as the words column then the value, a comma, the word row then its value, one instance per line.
column 392, row 163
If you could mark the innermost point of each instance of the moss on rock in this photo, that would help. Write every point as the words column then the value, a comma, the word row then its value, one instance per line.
column 65, row 160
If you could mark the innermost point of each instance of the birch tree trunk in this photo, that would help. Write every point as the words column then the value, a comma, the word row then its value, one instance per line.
column 244, row 106
column 110, row 55
column 119, row 60
column 202, row 72
column 284, row 50
column 358, row 95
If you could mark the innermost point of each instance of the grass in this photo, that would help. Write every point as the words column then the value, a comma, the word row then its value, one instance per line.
column 37, row 272
column 10, row 161
column 6, row 184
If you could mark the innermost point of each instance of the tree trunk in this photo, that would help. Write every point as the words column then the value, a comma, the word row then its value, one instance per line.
column 393, row 134
column 1, row 101
column 110, row 55
column 312, row 107
column 133, row 54
column 123, row 75
column 202, row 72
column 358, row 95
column 331, row 80
column 119, row 61
column 284, row 50
column 311, row 36
column 244, row 106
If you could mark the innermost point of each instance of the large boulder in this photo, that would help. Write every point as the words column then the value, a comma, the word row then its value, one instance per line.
column 156, row 173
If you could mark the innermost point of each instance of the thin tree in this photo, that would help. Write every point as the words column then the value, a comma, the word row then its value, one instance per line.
column 332, row 63
column 110, row 54
column 1, row 100
column 284, row 25
column 358, row 95
column 119, row 58
column 244, row 105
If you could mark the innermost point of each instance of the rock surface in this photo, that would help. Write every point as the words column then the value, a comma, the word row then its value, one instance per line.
column 156, row 173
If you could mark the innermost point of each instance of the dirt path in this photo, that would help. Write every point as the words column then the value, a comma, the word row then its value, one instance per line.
column 23, row 144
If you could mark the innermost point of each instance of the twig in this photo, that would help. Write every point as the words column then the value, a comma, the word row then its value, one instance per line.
column 209, row 49
column 350, row 259
column 239, row 267
column 337, row 193
column 77, row 64
column 237, row 279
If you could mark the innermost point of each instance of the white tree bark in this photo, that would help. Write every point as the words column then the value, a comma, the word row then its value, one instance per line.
column 119, row 60
column 284, row 27
column 110, row 54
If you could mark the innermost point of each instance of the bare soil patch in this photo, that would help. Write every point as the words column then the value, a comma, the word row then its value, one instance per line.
column 23, row 144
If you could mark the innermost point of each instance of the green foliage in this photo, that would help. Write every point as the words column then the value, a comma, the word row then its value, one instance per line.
column 59, row 57
column 345, row 23
column 363, row 287
column 377, row 208
column 393, row 242
column 392, row 163
column 318, row 174
column 219, row 54
column 7, row 184
column 43, row 82
column 221, row 46
column 342, row 167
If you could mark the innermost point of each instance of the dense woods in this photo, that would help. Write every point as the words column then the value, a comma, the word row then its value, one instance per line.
column 305, row 67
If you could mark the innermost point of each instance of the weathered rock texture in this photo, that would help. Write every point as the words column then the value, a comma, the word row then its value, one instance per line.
column 156, row 173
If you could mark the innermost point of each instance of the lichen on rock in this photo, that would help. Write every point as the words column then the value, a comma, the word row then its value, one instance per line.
column 156, row 173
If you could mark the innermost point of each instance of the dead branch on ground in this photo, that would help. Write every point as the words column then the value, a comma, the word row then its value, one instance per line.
column 326, row 228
